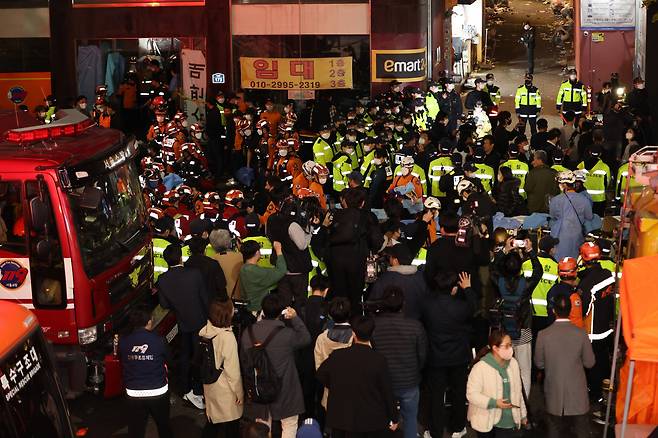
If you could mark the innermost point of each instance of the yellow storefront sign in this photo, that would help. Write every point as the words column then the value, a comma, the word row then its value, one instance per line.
column 296, row 73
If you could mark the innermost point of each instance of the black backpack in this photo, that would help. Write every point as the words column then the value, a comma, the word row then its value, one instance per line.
column 205, row 361
column 261, row 383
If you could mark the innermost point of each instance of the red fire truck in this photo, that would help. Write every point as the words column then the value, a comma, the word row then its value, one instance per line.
column 74, row 247
column 32, row 404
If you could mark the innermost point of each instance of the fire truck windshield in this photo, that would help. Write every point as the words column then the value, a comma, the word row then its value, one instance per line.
column 31, row 405
column 109, row 215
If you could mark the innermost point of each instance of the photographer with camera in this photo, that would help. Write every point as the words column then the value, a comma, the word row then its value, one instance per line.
column 514, row 307
column 476, row 204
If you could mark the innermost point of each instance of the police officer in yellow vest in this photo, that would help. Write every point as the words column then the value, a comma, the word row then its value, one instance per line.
column 483, row 172
column 518, row 167
column 431, row 102
column 549, row 277
column 342, row 165
column 598, row 178
column 420, row 115
column 527, row 104
column 163, row 236
column 323, row 153
column 572, row 95
column 367, row 168
column 265, row 250
column 438, row 168
column 558, row 158
column 199, row 228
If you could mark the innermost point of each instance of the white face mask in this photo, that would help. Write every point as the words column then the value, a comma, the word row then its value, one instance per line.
column 349, row 151
column 259, row 131
column 322, row 180
column 505, row 353
column 450, row 87
column 629, row 136
column 247, row 132
column 325, row 135
column 526, row 27
column 640, row 86
column 185, row 123
column 198, row 135
column 286, row 109
column 526, row 147
column 160, row 119
column 360, row 111
column 422, row 140
column 283, row 152
column 249, row 117
column 572, row 77
column 351, row 138
column 83, row 105
column 490, row 83
column 406, row 171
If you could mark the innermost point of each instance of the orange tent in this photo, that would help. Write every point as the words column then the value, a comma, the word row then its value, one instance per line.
column 639, row 308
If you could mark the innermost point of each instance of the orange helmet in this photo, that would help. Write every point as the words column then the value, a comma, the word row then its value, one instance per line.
column 590, row 251
column 170, row 198
column 196, row 127
column 156, row 213
column 242, row 124
column 262, row 124
column 282, row 144
column 319, row 170
column 567, row 268
column 293, row 144
column 158, row 101
column 210, row 199
column 233, row 195
column 306, row 193
column 184, row 190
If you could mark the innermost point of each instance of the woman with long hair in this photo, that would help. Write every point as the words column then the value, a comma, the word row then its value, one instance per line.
column 508, row 199
column 224, row 397
column 496, row 407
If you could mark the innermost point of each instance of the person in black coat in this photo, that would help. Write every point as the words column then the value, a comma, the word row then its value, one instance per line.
column 184, row 291
column 508, row 199
column 503, row 137
column 446, row 314
column 211, row 270
column 451, row 103
column 361, row 402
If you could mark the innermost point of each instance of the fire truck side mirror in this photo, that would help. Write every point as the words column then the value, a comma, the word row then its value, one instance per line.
column 39, row 214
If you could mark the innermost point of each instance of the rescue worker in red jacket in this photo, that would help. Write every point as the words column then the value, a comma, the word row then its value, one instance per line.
column 288, row 165
column 567, row 286
column 233, row 214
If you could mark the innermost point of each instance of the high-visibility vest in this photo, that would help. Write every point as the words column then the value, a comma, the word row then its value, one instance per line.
column 341, row 168
column 494, row 93
column 420, row 258
column 319, row 267
column 432, row 106
column 572, row 97
column 420, row 121
column 559, row 168
column 519, row 170
column 367, row 168
column 439, row 167
column 265, row 250
column 622, row 181
column 597, row 179
column 486, row 175
column 159, row 264
column 322, row 151
column 548, row 278
column 209, row 252
column 527, row 101
column 418, row 172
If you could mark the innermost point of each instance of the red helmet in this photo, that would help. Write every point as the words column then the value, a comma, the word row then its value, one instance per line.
column 184, row 190
column 158, row 101
column 210, row 199
column 293, row 144
column 169, row 198
column 180, row 116
column 100, row 100
column 590, row 251
column 319, row 170
column 306, row 193
column 291, row 118
column 282, row 144
column 262, row 124
column 568, row 268
column 155, row 213
column 157, row 167
column 195, row 127
column 233, row 195
column 242, row 124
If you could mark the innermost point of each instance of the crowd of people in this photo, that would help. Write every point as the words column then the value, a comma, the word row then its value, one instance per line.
column 333, row 272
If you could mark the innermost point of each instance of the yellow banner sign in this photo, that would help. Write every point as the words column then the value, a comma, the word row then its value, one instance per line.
column 296, row 73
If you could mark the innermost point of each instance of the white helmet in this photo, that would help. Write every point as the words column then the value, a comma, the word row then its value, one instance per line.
column 566, row 177
column 465, row 184
column 580, row 175
column 307, row 168
column 432, row 202
column 407, row 161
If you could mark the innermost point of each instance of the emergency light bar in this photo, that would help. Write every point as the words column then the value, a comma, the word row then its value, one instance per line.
column 70, row 122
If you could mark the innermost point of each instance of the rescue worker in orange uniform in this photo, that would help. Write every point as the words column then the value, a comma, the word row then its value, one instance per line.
column 287, row 166
column 303, row 180
column 158, row 128
column 406, row 177
column 319, row 175
column 567, row 286
column 272, row 116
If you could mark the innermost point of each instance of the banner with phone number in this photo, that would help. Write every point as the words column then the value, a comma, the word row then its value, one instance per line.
column 296, row 73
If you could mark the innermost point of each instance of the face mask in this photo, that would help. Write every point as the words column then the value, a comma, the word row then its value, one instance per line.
column 490, row 83
column 396, row 89
column 629, row 136
column 361, row 130
column 396, row 110
column 325, row 135
column 528, row 83
column 640, row 86
column 351, row 138
column 322, row 180
column 406, row 171
column 421, row 140
column 377, row 161
column 283, row 152
column 360, row 111
column 198, row 135
column 526, row 27
column 526, row 148
column 269, row 107
column 367, row 147
column 450, row 87
column 286, row 110
column 249, row 117
column 259, row 131
column 83, row 106
column 505, row 354
column 349, row 151
column 572, row 77
column 160, row 119
column 247, row 132
column 185, row 123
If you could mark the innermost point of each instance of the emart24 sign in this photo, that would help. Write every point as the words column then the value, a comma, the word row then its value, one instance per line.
column 403, row 65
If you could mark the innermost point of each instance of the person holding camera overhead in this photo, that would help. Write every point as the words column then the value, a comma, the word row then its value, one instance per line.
column 515, row 291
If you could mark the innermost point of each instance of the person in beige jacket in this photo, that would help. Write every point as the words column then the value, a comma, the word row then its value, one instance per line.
column 496, row 407
column 339, row 336
column 224, row 398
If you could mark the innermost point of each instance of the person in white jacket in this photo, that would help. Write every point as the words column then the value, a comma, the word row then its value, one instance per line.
column 496, row 406
column 224, row 398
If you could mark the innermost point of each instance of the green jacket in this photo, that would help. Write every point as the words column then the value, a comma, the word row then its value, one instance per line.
column 540, row 184
column 256, row 281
